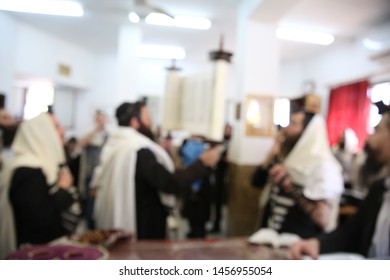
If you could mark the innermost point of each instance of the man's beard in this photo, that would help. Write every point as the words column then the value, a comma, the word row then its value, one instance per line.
column 146, row 131
column 371, row 166
column 288, row 144
column 9, row 133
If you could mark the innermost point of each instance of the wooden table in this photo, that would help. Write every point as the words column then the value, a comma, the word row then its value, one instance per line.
column 202, row 249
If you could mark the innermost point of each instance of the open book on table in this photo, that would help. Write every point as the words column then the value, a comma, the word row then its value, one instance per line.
column 270, row 237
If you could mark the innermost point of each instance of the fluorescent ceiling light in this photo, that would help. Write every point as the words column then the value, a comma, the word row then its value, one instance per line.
column 60, row 8
column 178, row 21
column 134, row 18
column 192, row 22
column 161, row 52
column 304, row 36
column 372, row 45
column 159, row 19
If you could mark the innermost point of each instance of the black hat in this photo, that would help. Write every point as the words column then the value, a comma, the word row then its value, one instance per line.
column 123, row 109
column 126, row 111
column 382, row 107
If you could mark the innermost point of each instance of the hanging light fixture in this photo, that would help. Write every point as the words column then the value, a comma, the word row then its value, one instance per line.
column 305, row 36
column 47, row 7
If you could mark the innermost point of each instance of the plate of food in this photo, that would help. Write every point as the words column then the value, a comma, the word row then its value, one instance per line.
column 105, row 238
column 59, row 252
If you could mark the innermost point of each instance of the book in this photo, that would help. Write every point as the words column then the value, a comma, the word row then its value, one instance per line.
column 272, row 238
column 338, row 256
column 341, row 256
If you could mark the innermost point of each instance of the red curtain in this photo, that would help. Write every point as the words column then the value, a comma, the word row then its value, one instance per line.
column 349, row 107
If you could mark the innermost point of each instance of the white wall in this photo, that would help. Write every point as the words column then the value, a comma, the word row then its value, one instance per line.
column 100, row 95
column 30, row 53
column 39, row 54
column 152, row 75
column 258, row 69
column 292, row 74
column 7, row 55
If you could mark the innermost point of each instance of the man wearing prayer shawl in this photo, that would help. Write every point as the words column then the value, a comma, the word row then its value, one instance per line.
column 306, row 184
column 35, row 193
column 368, row 232
column 135, row 181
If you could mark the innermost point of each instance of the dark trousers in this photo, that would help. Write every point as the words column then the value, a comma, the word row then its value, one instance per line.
column 89, row 204
column 197, row 211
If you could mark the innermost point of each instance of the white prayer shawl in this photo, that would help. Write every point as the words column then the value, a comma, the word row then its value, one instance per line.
column 7, row 224
column 36, row 145
column 312, row 165
column 115, row 205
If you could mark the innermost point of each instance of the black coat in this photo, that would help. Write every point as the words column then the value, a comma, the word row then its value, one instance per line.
column 151, row 178
column 37, row 213
column 296, row 221
column 356, row 235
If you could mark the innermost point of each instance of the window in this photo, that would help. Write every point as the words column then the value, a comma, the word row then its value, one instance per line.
column 282, row 112
column 259, row 115
column 38, row 98
column 379, row 92
column 40, row 95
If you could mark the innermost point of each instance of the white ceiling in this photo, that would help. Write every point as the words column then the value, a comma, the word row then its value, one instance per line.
column 346, row 19
column 98, row 29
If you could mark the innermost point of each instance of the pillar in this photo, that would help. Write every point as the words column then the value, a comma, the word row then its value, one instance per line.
column 258, row 71
column 128, row 41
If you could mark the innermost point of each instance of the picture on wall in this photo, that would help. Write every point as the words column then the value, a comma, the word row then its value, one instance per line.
column 259, row 112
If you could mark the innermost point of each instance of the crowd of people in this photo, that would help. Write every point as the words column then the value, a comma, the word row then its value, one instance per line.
column 126, row 179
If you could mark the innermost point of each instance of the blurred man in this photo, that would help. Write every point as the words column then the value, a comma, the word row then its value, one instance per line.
column 8, row 127
column 196, row 200
column 92, row 145
column 367, row 233
column 260, row 178
column 136, row 181
column 221, row 180
column 307, row 183
column 72, row 153
column 344, row 152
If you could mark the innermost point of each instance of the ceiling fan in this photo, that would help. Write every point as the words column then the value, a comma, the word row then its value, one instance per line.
column 150, row 14
column 142, row 9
